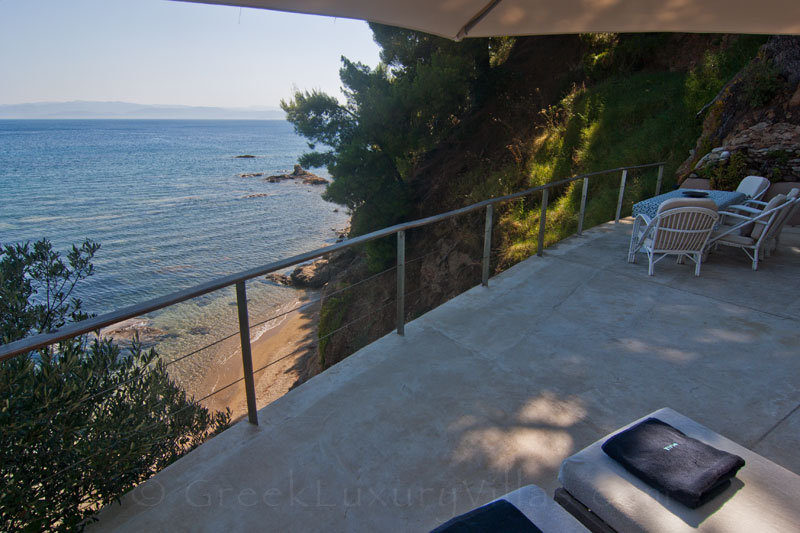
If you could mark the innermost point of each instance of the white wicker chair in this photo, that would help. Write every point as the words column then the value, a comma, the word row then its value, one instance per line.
column 756, row 207
column 681, row 227
column 753, row 232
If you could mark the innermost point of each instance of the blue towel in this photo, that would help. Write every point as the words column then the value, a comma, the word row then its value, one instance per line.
column 684, row 468
column 495, row 517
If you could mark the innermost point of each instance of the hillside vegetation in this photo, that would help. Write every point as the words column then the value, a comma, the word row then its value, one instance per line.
column 631, row 112
column 439, row 125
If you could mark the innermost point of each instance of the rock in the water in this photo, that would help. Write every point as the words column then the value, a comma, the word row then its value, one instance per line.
column 280, row 279
column 298, row 174
column 245, row 156
column 311, row 179
column 253, row 175
column 126, row 332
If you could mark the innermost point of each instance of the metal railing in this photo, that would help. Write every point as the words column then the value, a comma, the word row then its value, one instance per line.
column 94, row 324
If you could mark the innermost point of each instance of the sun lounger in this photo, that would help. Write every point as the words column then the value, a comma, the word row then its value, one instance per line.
column 531, row 509
column 762, row 497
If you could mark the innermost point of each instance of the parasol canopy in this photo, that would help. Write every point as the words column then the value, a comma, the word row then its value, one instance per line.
column 456, row 19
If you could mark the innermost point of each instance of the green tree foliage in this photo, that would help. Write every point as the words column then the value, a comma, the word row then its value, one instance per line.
column 392, row 116
column 82, row 422
column 718, row 67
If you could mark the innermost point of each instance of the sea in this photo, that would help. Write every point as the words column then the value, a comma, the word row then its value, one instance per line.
column 168, row 204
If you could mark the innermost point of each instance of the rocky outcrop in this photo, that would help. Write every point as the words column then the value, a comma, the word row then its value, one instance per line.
column 279, row 279
column 312, row 276
column 300, row 174
column 252, row 175
column 753, row 126
column 769, row 150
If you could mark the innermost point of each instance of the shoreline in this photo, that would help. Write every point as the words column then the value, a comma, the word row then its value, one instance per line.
column 288, row 346
column 283, row 351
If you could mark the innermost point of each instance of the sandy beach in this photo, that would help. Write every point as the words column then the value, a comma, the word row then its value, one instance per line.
column 285, row 350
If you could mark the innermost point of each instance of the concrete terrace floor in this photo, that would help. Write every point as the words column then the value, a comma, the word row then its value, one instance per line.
column 492, row 390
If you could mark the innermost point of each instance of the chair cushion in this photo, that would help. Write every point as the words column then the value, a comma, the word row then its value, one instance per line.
column 753, row 186
column 735, row 238
column 674, row 203
column 674, row 229
column 784, row 188
column 758, row 229
column 763, row 497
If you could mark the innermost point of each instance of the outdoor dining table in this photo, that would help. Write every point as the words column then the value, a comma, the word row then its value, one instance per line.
column 723, row 199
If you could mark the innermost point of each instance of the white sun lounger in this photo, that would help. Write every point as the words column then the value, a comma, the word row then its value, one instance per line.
column 763, row 497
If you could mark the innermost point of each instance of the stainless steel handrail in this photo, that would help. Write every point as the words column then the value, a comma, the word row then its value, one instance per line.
column 96, row 323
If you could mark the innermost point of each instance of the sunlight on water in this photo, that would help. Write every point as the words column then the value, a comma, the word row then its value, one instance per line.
column 167, row 203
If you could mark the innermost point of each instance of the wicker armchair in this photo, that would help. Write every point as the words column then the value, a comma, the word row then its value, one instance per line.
column 681, row 227
column 752, row 233
column 756, row 207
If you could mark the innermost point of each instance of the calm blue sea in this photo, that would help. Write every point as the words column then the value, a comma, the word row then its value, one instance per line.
column 167, row 204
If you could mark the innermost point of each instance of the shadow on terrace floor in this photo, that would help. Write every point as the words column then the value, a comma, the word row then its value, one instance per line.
column 492, row 390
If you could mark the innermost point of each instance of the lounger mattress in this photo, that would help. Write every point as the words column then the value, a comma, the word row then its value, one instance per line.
column 763, row 496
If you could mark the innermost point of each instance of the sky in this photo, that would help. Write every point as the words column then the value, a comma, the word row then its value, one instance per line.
column 167, row 52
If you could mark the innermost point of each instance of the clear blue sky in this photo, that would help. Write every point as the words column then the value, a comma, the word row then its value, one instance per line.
column 165, row 52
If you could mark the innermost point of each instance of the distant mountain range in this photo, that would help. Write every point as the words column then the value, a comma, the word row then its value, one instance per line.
column 124, row 110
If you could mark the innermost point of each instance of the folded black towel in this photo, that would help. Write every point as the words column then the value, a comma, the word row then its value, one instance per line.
column 684, row 468
column 495, row 517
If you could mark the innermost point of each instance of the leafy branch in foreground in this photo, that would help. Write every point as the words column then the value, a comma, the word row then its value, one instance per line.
column 82, row 422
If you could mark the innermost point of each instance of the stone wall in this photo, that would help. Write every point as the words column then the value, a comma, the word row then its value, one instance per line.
column 753, row 126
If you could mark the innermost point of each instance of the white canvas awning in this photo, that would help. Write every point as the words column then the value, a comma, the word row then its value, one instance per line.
column 456, row 19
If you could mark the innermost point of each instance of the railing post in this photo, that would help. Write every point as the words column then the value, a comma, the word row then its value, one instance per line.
column 401, row 282
column 621, row 194
column 247, row 358
column 542, row 221
column 584, row 193
column 487, row 245
column 660, row 177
